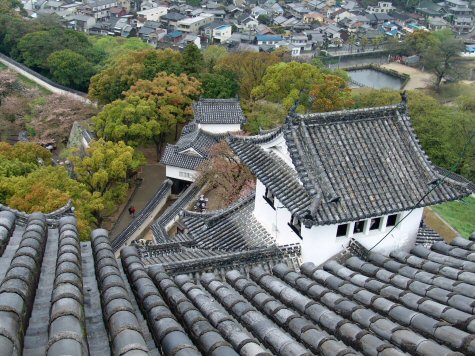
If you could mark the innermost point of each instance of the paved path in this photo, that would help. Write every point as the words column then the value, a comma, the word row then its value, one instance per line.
column 153, row 175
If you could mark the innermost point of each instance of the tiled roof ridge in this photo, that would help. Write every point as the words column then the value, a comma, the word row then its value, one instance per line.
column 52, row 218
column 451, row 176
column 343, row 115
column 67, row 291
column 237, row 115
column 235, row 258
column 263, row 137
column 7, row 226
column 211, row 216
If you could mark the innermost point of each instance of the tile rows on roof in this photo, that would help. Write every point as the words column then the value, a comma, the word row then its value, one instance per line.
column 159, row 198
column 231, row 229
column 275, row 174
column 426, row 236
column 218, row 111
column 124, row 329
column 7, row 226
column 67, row 324
column 198, row 141
column 18, row 288
column 167, row 331
column 161, row 224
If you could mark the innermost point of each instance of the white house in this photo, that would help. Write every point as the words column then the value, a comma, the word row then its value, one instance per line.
column 325, row 178
column 152, row 14
column 383, row 7
column 218, row 32
column 193, row 24
column 213, row 120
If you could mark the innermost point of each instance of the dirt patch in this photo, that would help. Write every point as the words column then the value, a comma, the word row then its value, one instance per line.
column 418, row 80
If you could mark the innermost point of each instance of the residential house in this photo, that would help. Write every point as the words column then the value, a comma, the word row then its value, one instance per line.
column 383, row 7
column 190, row 38
column 313, row 17
column 170, row 19
column 437, row 23
column 193, row 24
column 258, row 11
column 217, row 32
column 153, row 14
column 81, row 23
column 268, row 39
column 99, row 9
column 297, row 10
column 247, row 22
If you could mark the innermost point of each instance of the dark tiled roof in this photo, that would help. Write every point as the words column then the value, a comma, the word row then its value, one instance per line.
column 418, row 302
column 191, row 149
column 426, row 236
column 160, row 226
column 232, row 229
column 352, row 164
column 218, row 111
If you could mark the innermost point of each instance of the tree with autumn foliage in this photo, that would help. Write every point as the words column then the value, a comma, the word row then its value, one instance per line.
column 104, row 170
column 224, row 173
column 173, row 96
column 333, row 94
column 121, row 74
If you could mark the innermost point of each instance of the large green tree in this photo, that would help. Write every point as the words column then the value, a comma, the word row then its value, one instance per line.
column 219, row 85
column 286, row 83
column 192, row 62
column 132, row 120
column 248, row 67
column 173, row 96
column 71, row 69
column 212, row 55
column 104, row 170
column 35, row 48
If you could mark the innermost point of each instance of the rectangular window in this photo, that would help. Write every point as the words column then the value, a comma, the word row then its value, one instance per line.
column 296, row 225
column 342, row 230
column 392, row 219
column 359, row 227
column 269, row 198
column 375, row 223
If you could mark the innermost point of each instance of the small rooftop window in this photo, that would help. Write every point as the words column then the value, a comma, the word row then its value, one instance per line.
column 359, row 227
column 392, row 219
column 375, row 223
column 269, row 198
column 296, row 225
column 342, row 230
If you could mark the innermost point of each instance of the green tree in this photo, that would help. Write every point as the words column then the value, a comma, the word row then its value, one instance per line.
column 192, row 62
column 12, row 29
column 114, row 47
column 263, row 115
column 264, row 19
column 70, row 69
column 249, row 68
column 219, row 85
column 212, row 55
column 27, row 152
column 132, row 120
column 120, row 75
column 440, row 59
column 35, row 48
column 173, row 96
column 287, row 82
column 104, row 170
column 330, row 95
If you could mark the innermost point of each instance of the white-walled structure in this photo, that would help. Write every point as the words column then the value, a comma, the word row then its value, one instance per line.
column 323, row 179
column 153, row 14
column 213, row 120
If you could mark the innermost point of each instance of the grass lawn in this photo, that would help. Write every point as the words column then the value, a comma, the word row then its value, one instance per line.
column 459, row 214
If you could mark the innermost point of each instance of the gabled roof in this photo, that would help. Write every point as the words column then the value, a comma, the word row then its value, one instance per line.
column 349, row 165
column 218, row 111
column 191, row 149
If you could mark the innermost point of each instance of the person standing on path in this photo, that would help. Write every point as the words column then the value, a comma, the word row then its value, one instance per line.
column 132, row 211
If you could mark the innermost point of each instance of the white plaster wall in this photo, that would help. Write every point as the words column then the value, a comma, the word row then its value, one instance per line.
column 174, row 172
column 220, row 128
column 153, row 14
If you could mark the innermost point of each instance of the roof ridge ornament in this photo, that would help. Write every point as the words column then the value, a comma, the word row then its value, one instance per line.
column 404, row 100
